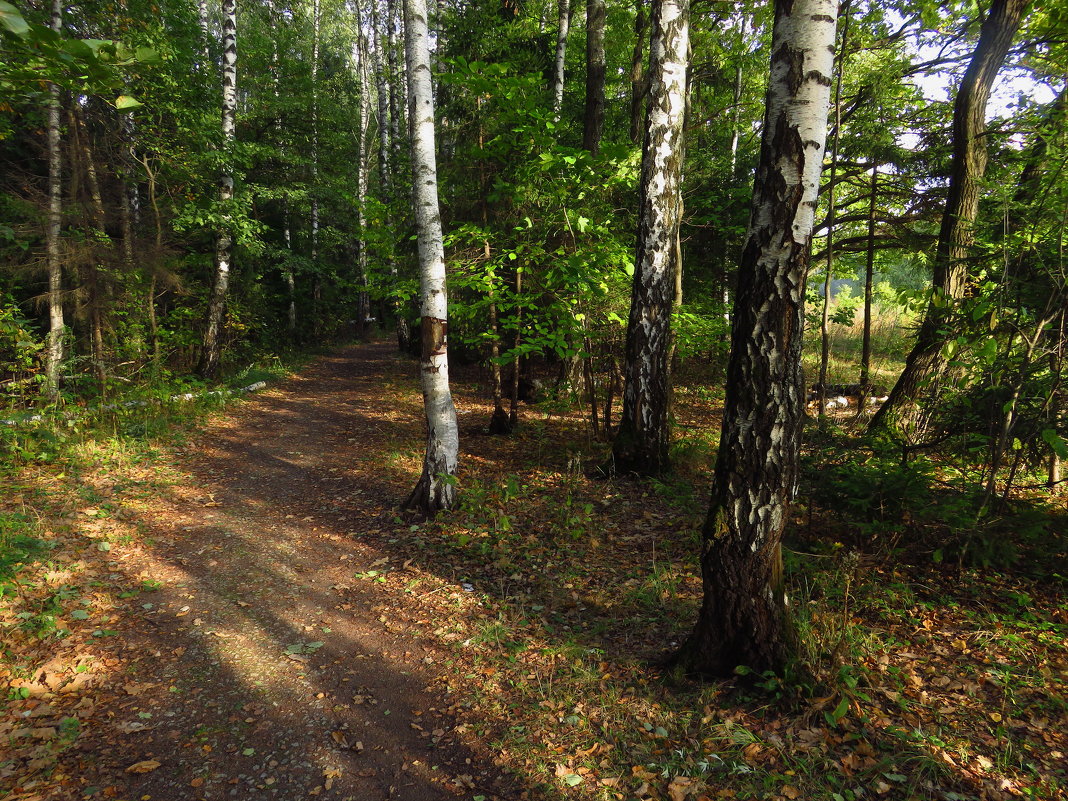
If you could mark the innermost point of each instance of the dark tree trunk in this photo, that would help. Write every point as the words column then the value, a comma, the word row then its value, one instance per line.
column 637, row 72
column 902, row 411
column 593, row 119
column 741, row 621
column 869, row 278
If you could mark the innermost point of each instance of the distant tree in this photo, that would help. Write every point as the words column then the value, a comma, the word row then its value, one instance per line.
column 641, row 445
column 593, row 119
column 742, row 613
column 956, row 237
column 56, row 325
column 212, row 343
column 435, row 489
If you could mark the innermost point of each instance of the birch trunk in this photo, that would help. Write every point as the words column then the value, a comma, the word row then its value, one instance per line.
column 561, row 53
column 593, row 119
column 825, row 316
column 742, row 613
column 902, row 411
column 56, row 324
column 436, row 488
column 362, row 171
column 382, row 90
column 212, row 345
column 314, row 188
column 644, row 437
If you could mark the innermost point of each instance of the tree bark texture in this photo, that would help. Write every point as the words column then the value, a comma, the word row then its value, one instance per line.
column 561, row 53
column 56, row 324
column 869, row 280
column 363, row 170
column 902, row 411
column 212, row 345
column 593, row 119
column 637, row 72
column 435, row 489
column 644, row 437
column 825, row 317
column 742, row 613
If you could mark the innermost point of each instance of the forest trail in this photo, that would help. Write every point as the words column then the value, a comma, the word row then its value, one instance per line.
column 258, row 661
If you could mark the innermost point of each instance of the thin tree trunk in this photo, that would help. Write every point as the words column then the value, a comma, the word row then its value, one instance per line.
column 513, row 409
column 317, row 283
column 825, row 317
column 924, row 364
column 869, row 280
column 637, row 72
column 157, row 256
column 363, row 170
column 56, row 324
column 211, row 350
column 593, row 119
column 396, row 97
column 80, row 140
column 742, row 612
column 205, row 32
column 436, row 488
column 561, row 53
column 644, row 437
column 385, row 124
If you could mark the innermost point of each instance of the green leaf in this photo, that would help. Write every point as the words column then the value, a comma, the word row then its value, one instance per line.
column 841, row 709
column 11, row 19
column 1056, row 443
column 572, row 780
column 127, row 103
column 79, row 614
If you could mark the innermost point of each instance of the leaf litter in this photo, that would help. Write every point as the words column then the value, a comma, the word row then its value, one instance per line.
column 535, row 615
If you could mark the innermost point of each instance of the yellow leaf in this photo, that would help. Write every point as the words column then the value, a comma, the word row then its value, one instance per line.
column 996, row 717
column 145, row 766
column 790, row 791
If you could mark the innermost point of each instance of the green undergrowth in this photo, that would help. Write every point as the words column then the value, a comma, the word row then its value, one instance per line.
column 929, row 664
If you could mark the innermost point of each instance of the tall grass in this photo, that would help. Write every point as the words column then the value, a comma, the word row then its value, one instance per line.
column 891, row 333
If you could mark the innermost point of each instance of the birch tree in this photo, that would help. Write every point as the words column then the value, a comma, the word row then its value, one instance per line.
column 435, row 489
column 210, row 353
column 56, row 325
column 561, row 54
column 641, row 446
column 741, row 620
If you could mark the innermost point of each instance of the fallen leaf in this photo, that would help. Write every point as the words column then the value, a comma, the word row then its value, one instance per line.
column 681, row 786
column 145, row 766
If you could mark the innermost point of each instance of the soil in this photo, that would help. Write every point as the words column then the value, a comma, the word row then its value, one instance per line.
column 257, row 656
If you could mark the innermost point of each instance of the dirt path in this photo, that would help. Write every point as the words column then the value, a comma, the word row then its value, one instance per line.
column 269, row 663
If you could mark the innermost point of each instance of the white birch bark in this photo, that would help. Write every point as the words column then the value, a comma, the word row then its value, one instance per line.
column 435, row 489
column 205, row 32
column 561, row 54
column 56, row 325
column 385, row 125
column 645, row 433
column 742, row 611
column 210, row 353
column 362, row 171
column 315, row 137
